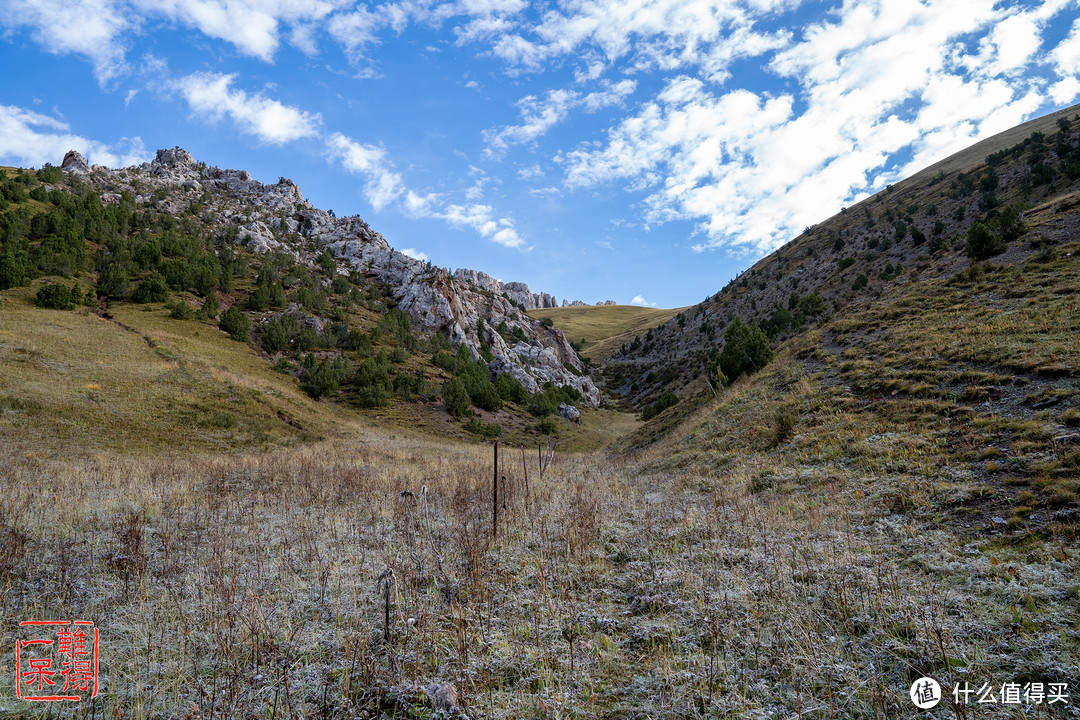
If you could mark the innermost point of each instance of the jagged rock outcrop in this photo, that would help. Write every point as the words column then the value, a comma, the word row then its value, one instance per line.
column 277, row 217
column 517, row 291
column 74, row 162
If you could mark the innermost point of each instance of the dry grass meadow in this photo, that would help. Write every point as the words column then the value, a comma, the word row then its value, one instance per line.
column 773, row 584
column 890, row 498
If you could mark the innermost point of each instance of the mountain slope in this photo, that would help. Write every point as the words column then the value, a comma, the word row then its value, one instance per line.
column 917, row 229
column 325, row 300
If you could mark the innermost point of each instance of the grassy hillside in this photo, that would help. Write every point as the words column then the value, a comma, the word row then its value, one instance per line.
column 601, row 329
column 1018, row 198
column 168, row 274
column 135, row 380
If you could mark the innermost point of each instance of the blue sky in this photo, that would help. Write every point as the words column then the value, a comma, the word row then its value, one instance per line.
column 643, row 151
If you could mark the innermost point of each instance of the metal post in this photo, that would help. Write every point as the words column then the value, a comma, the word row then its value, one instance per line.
column 495, row 493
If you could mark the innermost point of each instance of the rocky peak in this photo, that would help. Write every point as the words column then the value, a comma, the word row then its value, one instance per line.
column 582, row 303
column 176, row 159
column 74, row 162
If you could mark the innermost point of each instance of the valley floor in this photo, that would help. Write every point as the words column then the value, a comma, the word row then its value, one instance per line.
column 669, row 583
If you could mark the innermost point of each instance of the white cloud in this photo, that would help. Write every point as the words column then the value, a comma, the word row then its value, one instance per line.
column 479, row 217
column 355, row 31
column 414, row 254
column 878, row 90
column 99, row 29
column 648, row 34
column 1066, row 56
column 1065, row 91
column 252, row 26
column 382, row 185
column 531, row 172
column 642, row 302
column 540, row 115
column 210, row 95
column 30, row 139
column 90, row 28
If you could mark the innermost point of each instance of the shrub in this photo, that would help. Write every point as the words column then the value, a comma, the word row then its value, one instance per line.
column 408, row 385
column 548, row 426
column 812, row 304
column 783, row 424
column 510, row 389
column 860, row 282
column 371, row 397
column 181, row 311
column 306, row 338
column 373, row 373
column 152, row 289
column 666, row 400
column 485, row 429
column 340, row 285
column 272, row 336
column 114, row 282
column 323, row 377
column 54, row 297
column 746, row 350
column 547, row 401
column 983, row 242
column 13, row 271
column 147, row 254
column 209, row 309
column 456, row 398
column 360, row 342
column 236, row 323
column 176, row 272
column 487, row 397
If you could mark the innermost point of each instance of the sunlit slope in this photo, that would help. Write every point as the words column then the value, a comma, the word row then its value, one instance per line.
column 134, row 380
column 138, row 380
column 970, row 158
column 602, row 329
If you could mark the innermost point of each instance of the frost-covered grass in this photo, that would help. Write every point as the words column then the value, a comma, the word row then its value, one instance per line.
column 675, row 583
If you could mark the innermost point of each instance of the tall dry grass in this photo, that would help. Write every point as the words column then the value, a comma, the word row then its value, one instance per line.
column 249, row 586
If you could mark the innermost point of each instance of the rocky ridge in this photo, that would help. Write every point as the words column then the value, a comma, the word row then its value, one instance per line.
column 278, row 217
